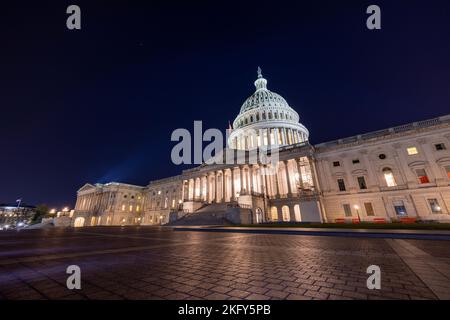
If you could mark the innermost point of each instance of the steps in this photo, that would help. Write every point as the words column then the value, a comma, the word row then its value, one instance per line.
column 212, row 214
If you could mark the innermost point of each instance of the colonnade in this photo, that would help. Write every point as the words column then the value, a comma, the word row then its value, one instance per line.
column 288, row 177
column 269, row 137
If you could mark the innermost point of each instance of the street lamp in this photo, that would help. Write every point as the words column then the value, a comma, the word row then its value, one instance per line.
column 357, row 212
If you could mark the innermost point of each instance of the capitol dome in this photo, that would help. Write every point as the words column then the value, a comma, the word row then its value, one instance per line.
column 266, row 119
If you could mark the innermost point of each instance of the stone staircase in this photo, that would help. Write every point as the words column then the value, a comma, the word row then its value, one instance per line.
column 211, row 214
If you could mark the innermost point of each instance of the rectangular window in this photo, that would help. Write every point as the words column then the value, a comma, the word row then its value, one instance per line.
column 341, row 184
column 439, row 146
column 123, row 207
column 422, row 176
column 369, row 209
column 400, row 209
column 362, row 183
column 336, row 164
column 347, row 210
column 412, row 150
column 435, row 207
column 356, row 161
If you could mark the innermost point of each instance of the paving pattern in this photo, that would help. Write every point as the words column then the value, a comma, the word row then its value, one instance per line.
column 158, row 263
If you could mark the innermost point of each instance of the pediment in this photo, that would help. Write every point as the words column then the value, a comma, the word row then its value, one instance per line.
column 86, row 187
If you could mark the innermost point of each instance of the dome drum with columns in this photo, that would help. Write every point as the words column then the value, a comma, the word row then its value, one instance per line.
column 266, row 119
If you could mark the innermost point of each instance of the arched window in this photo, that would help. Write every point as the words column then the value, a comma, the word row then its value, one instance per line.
column 257, row 117
column 286, row 213
column 270, row 115
column 264, row 116
column 274, row 213
column 389, row 177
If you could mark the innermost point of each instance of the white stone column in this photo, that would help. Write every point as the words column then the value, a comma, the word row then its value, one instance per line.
column 233, row 193
column 250, row 172
column 241, row 179
column 223, row 186
column 299, row 169
column 266, row 184
column 216, row 185
column 277, row 186
column 288, row 181
column 207, row 188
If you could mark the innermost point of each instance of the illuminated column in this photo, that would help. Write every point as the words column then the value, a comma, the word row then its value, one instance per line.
column 216, row 182
column 283, row 135
column 250, row 172
column 189, row 190
column 312, row 165
column 183, row 191
column 266, row 184
column 299, row 169
column 241, row 179
column 233, row 194
column 223, row 186
column 286, row 168
column 277, row 187
column 206, row 188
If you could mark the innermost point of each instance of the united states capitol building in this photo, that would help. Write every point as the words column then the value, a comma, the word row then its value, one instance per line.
column 386, row 175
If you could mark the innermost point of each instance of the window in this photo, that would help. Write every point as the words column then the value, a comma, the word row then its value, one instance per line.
column 434, row 204
column 399, row 207
column 356, row 161
column 412, row 150
column 138, row 208
column 439, row 146
column 347, row 210
column 336, row 164
column 447, row 169
column 422, row 176
column 382, row 156
column 123, row 207
column 389, row 177
column 131, row 208
column 362, row 183
column 341, row 184
column 369, row 209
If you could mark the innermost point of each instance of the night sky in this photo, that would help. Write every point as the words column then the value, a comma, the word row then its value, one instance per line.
column 100, row 104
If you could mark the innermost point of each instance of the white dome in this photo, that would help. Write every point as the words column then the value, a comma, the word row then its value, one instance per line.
column 269, row 114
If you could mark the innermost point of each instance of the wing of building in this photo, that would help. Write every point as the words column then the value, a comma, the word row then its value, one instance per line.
column 392, row 174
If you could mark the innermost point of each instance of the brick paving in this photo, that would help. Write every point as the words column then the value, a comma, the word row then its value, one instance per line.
column 158, row 263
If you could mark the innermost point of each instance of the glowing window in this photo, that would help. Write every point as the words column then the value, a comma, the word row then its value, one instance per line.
column 131, row 208
column 412, row 150
column 138, row 208
column 123, row 207
column 389, row 177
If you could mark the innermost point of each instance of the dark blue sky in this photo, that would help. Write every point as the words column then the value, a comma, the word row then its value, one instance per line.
column 100, row 104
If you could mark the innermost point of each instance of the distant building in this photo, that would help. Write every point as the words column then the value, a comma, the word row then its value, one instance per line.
column 385, row 175
column 11, row 214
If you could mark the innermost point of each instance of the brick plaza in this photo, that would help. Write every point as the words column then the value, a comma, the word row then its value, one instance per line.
column 159, row 263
